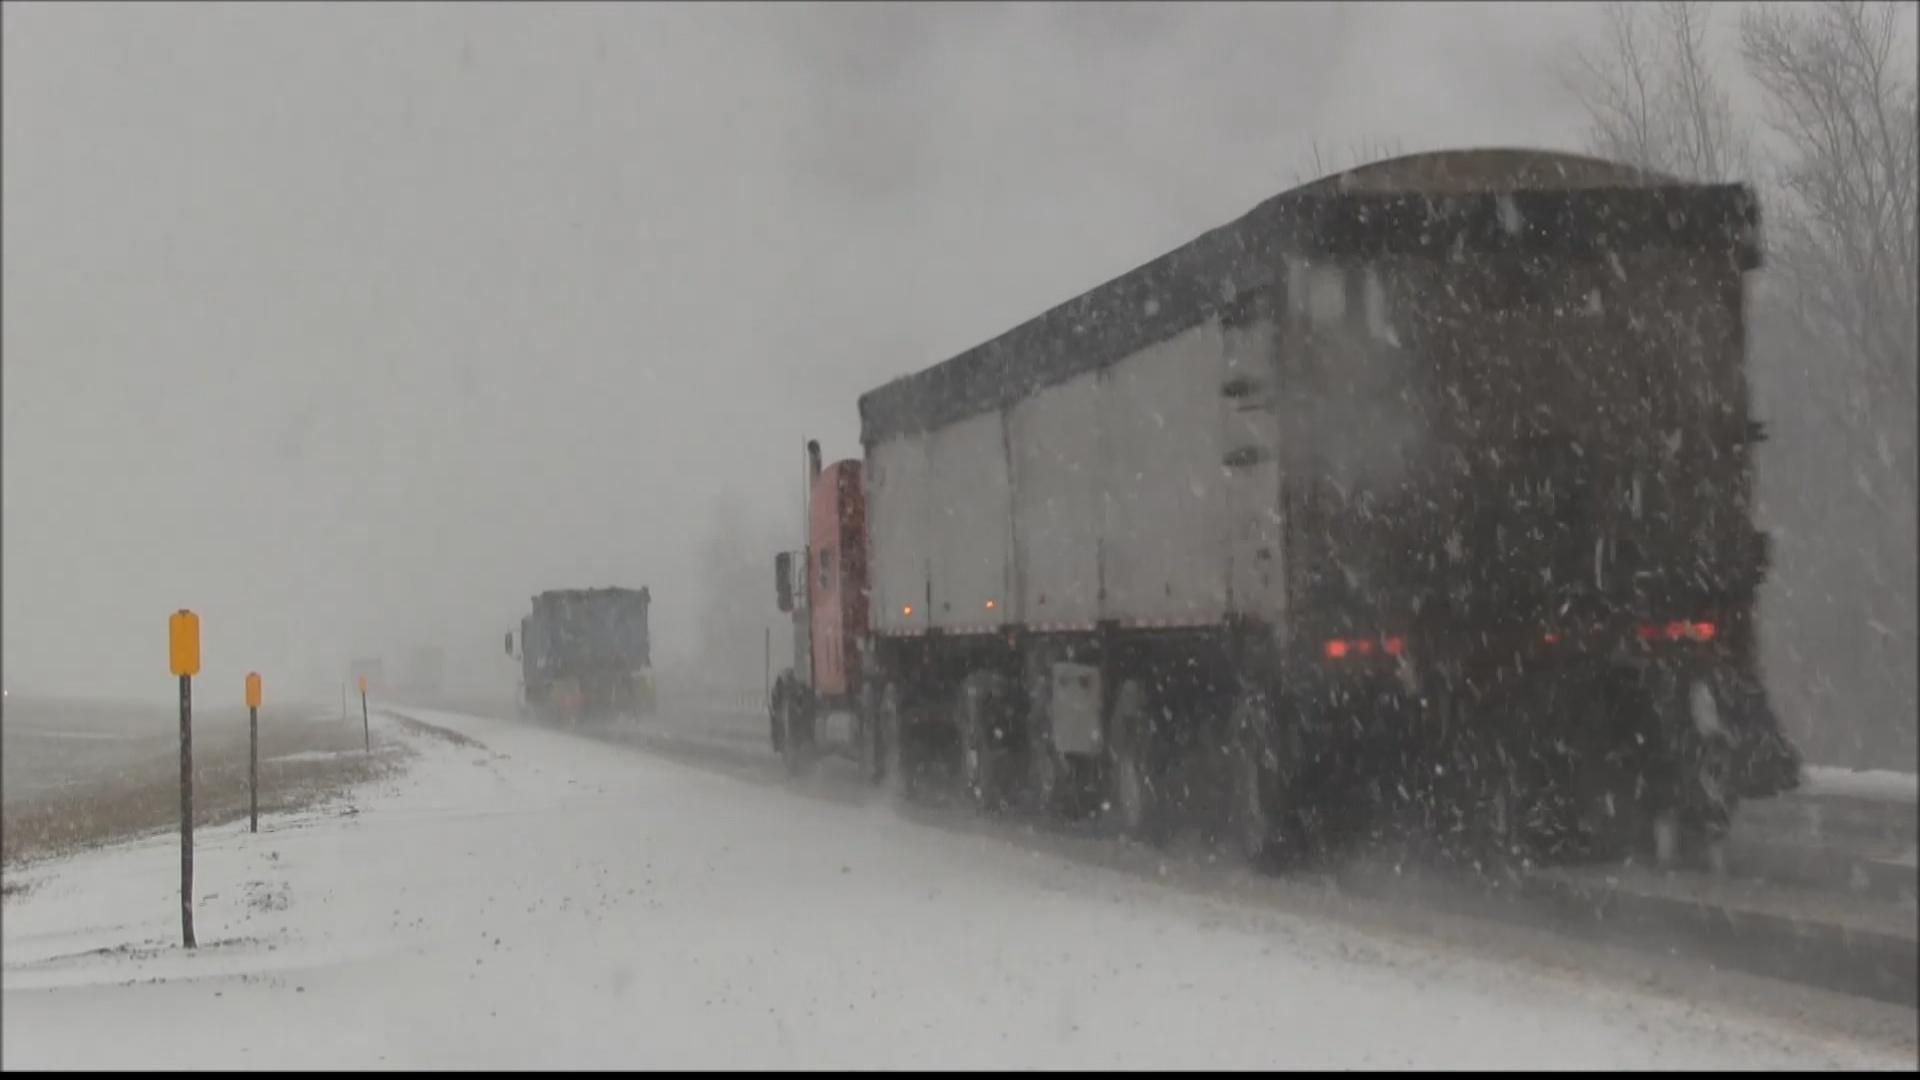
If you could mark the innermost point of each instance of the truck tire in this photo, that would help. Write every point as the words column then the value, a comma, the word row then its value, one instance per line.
column 890, row 738
column 1137, row 804
column 796, row 738
column 1046, row 766
column 1694, row 796
column 872, row 757
column 1264, row 761
column 776, row 725
column 982, row 718
column 1062, row 787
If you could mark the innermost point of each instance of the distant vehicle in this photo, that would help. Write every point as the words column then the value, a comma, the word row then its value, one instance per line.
column 424, row 675
column 585, row 655
column 371, row 668
column 1429, row 484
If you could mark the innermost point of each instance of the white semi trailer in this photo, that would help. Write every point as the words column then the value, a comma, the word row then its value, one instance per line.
column 1428, row 482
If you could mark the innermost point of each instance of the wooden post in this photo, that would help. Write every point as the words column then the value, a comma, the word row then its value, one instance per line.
column 366, row 730
column 253, row 751
column 183, row 648
column 186, row 811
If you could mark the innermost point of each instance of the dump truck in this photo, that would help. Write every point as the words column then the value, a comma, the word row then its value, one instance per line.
column 585, row 656
column 1426, row 488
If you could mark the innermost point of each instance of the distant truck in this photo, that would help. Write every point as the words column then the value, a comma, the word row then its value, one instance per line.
column 585, row 654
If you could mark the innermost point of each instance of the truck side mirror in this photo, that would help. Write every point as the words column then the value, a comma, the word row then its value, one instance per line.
column 783, row 580
column 509, row 643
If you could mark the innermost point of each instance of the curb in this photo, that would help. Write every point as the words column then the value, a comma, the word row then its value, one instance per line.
column 1857, row 961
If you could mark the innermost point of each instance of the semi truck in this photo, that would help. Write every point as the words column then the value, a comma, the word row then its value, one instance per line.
column 585, row 655
column 1424, row 487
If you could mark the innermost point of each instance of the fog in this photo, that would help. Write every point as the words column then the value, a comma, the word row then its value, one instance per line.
column 351, row 326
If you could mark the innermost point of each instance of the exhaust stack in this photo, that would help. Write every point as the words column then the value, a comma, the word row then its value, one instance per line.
column 813, row 462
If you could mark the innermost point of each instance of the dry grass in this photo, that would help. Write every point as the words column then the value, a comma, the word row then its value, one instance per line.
column 421, row 727
column 144, row 797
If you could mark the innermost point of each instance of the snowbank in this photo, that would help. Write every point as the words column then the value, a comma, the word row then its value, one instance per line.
column 1883, row 785
column 545, row 902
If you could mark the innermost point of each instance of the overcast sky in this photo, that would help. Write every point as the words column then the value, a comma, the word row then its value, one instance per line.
column 353, row 325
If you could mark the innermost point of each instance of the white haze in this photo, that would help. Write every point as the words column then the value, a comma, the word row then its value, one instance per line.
column 353, row 325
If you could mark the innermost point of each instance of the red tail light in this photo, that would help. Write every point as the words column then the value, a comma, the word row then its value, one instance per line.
column 1341, row 648
column 1675, row 631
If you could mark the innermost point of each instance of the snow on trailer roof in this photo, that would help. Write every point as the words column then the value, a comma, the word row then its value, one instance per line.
column 1528, row 202
column 642, row 592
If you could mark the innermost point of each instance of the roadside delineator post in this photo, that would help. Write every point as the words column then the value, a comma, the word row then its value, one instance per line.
column 183, row 648
column 253, row 751
column 366, row 731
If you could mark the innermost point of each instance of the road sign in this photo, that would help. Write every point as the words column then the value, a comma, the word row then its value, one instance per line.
column 183, row 656
column 363, row 686
column 253, row 751
column 183, row 643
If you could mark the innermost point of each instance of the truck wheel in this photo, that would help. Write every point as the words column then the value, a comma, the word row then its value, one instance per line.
column 1051, row 774
column 980, row 715
column 796, row 740
column 776, row 724
column 890, row 737
column 1262, row 764
column 873, row 760
column 1135, row 801
column 1062, row 787
column 1696, row 811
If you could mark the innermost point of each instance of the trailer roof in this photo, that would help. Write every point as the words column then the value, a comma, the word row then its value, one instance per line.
column 574, row 594
column 1493, row 199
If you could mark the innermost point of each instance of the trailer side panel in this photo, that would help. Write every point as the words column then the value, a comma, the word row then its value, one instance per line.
column 1163, row 532
column 1059, row 493
column 971, row 524
column 897, row 514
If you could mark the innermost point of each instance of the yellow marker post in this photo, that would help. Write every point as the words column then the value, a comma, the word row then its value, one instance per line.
column 183, row 653
column 253, row 751
column 366, row 731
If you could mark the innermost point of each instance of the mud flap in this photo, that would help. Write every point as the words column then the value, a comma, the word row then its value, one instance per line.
column 1764, row 762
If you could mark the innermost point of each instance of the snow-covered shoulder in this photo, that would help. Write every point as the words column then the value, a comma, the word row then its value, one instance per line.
column 1882, row 785
column 520, row 899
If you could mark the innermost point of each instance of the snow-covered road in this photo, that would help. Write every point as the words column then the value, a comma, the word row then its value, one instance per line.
column 544, row 901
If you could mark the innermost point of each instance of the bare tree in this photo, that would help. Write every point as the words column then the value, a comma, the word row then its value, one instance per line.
column 1654, row 97
column 1839, row 83
column 1833, row 319
column 1847, row 237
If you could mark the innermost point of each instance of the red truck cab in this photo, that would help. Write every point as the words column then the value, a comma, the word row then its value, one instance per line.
column 837, row 578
